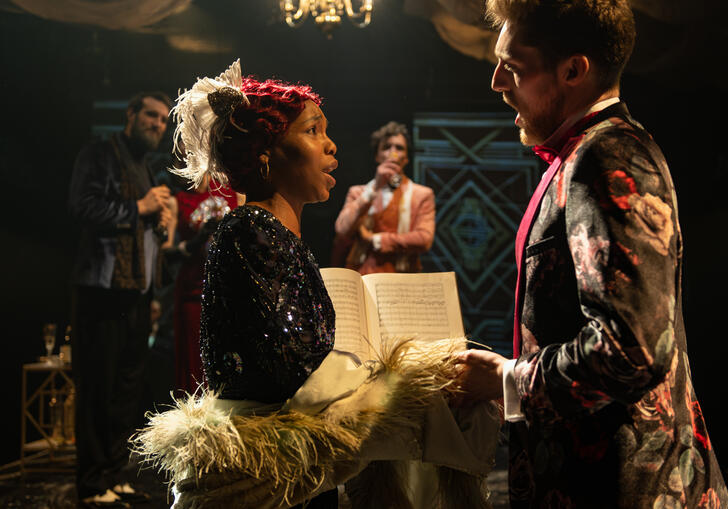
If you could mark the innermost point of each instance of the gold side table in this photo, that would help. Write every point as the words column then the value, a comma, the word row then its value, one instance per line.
column 43, row 413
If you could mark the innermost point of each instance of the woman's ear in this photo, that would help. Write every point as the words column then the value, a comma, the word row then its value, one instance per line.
column 264, row 157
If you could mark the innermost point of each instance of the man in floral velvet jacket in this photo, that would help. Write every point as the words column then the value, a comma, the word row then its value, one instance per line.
column 599, row 394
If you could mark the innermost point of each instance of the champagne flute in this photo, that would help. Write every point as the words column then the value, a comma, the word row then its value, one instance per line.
column 49, row 338
column 396, row 179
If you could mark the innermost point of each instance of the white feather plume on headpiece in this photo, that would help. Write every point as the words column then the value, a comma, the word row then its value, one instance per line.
column 195, row 119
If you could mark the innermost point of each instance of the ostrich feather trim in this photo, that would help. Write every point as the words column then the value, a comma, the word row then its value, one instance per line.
column 291, row 455
column 196, row 121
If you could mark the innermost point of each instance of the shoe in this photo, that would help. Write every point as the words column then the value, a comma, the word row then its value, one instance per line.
column 107, row 499
column 127, row 493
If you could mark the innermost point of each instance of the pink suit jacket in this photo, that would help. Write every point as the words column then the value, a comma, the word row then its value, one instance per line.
column 422, row 221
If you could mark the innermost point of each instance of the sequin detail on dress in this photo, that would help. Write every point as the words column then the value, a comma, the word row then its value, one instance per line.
column 267, row 320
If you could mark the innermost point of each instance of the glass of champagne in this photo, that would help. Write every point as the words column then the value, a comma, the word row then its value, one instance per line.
column 49, row 338
column 396, row 179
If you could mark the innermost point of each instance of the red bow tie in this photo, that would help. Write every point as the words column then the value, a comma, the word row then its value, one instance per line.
column 546, row 153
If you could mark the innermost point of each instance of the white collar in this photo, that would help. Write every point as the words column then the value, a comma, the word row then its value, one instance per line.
column 574, row 118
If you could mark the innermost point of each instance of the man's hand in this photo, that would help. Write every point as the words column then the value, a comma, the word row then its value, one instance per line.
column 385, row 172
column 366, row 234
column 154, row 201
column 166, row 219
column 480, row 377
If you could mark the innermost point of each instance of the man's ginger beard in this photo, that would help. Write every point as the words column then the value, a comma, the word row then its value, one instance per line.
column 540, row 124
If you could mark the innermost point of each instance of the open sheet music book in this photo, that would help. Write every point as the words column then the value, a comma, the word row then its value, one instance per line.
column 374, row 309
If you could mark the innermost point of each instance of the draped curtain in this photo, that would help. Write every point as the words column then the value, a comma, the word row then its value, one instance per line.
column 110, row 14
column 667, row 29
column 670, row 32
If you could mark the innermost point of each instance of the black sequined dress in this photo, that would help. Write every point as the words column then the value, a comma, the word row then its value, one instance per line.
column 267, row 321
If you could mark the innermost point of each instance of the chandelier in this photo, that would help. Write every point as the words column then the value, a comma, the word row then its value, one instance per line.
column 326, row 13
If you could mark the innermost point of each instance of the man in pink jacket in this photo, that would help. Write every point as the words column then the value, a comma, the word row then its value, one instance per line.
column 386, row 223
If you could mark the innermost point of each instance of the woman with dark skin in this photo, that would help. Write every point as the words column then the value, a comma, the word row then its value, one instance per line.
column 267, row 330
column 267, row 321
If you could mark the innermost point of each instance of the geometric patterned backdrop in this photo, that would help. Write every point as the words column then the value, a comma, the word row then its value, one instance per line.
column 483, row 178
column 109, row 118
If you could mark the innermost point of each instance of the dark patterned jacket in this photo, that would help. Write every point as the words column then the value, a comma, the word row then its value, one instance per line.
column 107, row 214
column 612, row 419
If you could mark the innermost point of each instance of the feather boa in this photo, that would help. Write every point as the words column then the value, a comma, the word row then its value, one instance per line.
column 220, row 460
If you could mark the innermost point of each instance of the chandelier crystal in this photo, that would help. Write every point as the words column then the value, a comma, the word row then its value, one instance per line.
column 326, row 13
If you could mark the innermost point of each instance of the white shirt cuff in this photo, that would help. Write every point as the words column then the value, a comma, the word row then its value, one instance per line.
column 377, row 241
column 368, row 194
column 511, row 400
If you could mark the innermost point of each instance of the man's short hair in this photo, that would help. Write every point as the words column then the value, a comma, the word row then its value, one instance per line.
column 136, row 102
column 391, row 128
column 603, row 30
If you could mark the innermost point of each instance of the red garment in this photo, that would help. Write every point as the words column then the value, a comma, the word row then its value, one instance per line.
column 194, row 210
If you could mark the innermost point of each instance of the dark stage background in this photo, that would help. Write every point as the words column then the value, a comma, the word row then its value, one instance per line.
column 52, row 73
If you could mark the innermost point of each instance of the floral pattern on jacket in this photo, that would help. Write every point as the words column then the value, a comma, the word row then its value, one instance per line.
column 603, row 375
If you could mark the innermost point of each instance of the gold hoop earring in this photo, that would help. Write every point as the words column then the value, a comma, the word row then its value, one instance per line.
column 267, row 172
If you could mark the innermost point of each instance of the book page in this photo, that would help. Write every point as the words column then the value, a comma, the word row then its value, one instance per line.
column 347, row 294
column 425, row 305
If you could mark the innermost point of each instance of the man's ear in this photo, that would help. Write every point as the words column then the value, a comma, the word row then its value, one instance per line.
column 574, row 70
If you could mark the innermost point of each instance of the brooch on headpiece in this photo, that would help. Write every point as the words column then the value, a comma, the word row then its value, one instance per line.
column 224, row 101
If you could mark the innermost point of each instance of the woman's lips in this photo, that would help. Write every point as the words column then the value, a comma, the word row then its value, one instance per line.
column 332, row 180
column 331, row 167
